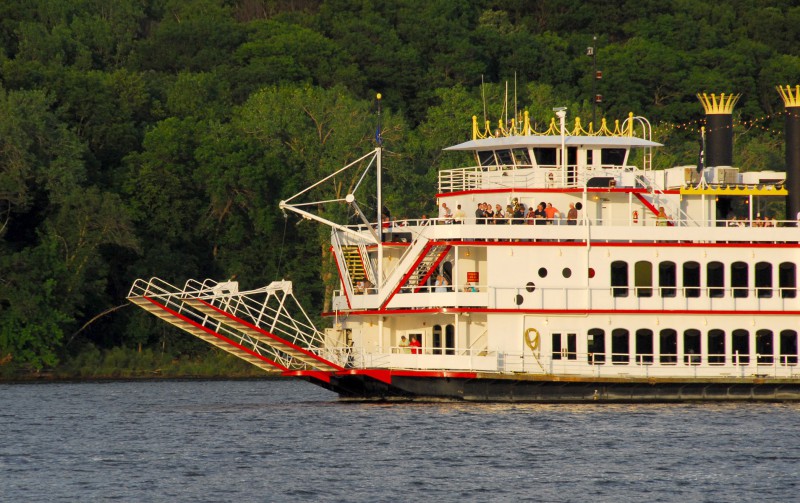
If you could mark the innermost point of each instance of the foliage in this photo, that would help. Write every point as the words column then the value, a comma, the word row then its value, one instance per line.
column 143, row 138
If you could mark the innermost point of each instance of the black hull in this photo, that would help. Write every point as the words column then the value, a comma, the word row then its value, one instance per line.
column 548, row 390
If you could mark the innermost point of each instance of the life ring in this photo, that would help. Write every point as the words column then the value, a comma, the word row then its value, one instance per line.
column 532, row 339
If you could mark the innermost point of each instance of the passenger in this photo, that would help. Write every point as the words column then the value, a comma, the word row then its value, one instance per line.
column 404, row 345
column 509, row 214
column 572, row 215
column 550, row 213
column 519, row 214
column 661, row 218
column 540, row 215
column 489, row 213
column 415, row 345
column 441, row 284
column 459, row 216
column 530, row 217
column 480, row 215
column 499, row 217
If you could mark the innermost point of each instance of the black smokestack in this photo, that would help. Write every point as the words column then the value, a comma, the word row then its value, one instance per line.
column 719, row 128
column 791, row 133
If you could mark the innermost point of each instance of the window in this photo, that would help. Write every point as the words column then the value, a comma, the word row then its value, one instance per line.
column 764, row 348
column 545, row 156
column 788, row 347
column 644, row 345
column 739, row 281
column 787, row 280
column 691, row 279
column 716, row 347
column 449, row 339
column 619, row 278
column 486, row 158
column 521, row 157
column 668, row 346
column 620, row 346
column 596, row 346
column 715, row 279
column 643, row 278
column 763, row 280
column 436, row 339
column 612, row 156
column 691, row 347
column 667, row 279
column 740, row 347
column 504, row 158
column 556, row 346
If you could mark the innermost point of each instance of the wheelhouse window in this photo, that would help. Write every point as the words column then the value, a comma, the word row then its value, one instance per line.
column 643, row 278
column 763, row 272
column 545, row 156
column 504, row 158
column 668, row 346
column 715, row 279
column 596, row 346
column 619, row 278
column 739, row 280
column 740, row 347
column 667, row 279
column 788, row 347
column 620, row 346
column 787, row 280
column 691, row 279
column 764, row 347
column 716, row 347
column 644, row 345
column 691, row 347
column 486, row 159
column 522, row 158
column 613, row 156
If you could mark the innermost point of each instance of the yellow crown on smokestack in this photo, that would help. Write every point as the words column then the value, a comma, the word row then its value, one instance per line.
column 723, row 105
column 790, row 98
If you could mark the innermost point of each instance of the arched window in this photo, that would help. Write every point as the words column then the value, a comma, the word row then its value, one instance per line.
column 691, row 279
column 764, row 346
column 667, row 278
column 691, row 347
column 739, row 280
column 620, row 346
column 619, row 278
column 763, row 280
column 668, row 346
column 740, row 347
column 643, row 278
column 716, row 347
column 788, row 347
column 644, row 345
column 596, row 346
column 787, row 280
column 715, row 279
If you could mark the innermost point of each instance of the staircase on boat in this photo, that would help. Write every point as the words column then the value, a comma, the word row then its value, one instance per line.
column 266, row 327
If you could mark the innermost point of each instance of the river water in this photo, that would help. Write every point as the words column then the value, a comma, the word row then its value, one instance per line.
column 286, row 440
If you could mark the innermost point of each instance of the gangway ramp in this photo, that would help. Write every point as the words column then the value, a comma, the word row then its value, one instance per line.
column 256, row 326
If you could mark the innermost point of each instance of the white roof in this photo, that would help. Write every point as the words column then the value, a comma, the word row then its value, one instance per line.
column 509, row 142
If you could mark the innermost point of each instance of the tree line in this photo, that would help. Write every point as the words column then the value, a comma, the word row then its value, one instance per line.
column 144, row 138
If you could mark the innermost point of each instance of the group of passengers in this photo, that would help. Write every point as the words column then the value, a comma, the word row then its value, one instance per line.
column 515, row 214
column 414, row 346
column 759, row 221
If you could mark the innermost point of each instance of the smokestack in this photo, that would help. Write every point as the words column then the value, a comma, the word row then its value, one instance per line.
column 791, row 137
column 719, row 128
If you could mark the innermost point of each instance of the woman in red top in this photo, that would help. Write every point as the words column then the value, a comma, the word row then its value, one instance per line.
column 415, row 345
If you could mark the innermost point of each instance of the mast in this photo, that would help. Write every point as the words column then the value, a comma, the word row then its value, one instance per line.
column 379, row 150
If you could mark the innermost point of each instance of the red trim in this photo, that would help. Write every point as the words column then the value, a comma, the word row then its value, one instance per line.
column 272, row 336
column 314, row 374
column 649, row 244
column 576, row 312
column 385, row 375
column 217, row 335
column 647, row 203
column 602, row 190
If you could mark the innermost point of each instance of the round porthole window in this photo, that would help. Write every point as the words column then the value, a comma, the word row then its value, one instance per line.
column 567, row 272
column 518, row 300
column 530, row 287
column 542, row 272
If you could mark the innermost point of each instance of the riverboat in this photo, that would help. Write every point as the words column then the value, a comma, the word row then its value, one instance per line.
column 561, row 268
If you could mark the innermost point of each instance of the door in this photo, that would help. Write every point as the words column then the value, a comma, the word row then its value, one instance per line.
column 565, row 346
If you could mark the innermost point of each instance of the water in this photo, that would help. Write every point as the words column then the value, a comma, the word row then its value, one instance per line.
column 285, row 440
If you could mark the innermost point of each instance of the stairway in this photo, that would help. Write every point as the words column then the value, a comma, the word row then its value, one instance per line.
column 426, row 267
column 354, row 263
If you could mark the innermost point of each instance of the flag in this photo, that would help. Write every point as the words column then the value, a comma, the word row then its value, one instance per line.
column 378, row 137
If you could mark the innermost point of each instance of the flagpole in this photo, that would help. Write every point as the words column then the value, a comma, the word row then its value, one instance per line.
column 379, row 279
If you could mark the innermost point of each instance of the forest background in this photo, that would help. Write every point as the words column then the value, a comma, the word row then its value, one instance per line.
column 144, row 138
